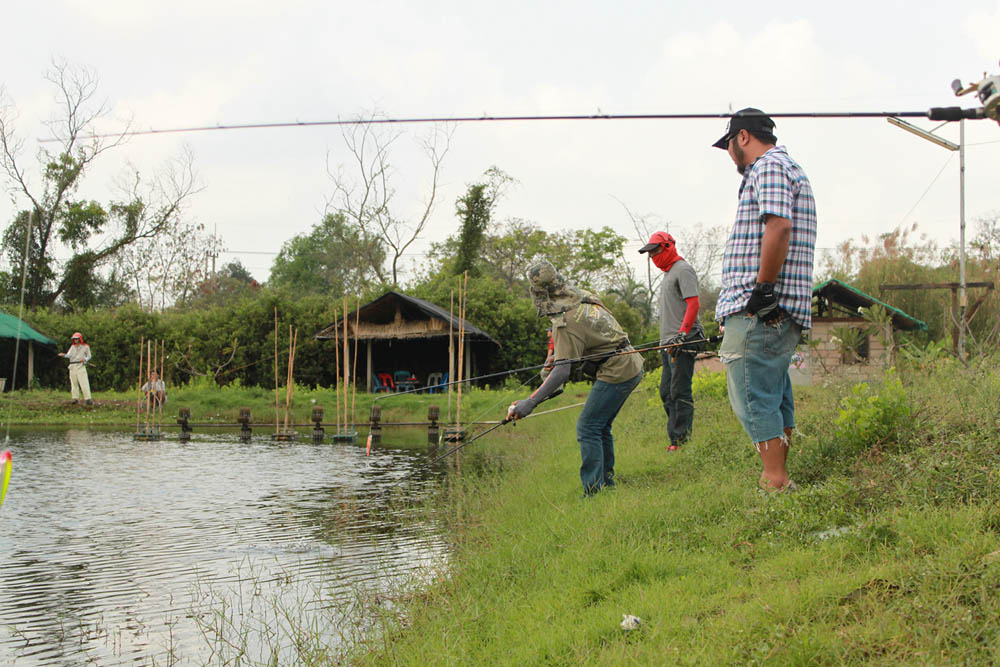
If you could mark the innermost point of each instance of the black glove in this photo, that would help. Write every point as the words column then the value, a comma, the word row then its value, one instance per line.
column 763, row 303
column 683, row 343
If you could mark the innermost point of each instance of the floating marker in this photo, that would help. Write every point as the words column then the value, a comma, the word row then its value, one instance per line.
column 368, row 446
column 5, row 466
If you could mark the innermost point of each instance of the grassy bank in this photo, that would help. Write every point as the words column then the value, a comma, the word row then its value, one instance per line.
column 210, row 403
column 889, row 553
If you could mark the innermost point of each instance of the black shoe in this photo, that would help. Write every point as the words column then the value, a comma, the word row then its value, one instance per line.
column 75, row 402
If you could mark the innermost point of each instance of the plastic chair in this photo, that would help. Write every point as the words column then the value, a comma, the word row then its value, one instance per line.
column 386, row 380
column 405, row 381
column 433, row 380
column 378, row 386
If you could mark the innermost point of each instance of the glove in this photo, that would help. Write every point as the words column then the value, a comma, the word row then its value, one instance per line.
column 676, row 340
column 683, row 342
column 520, row 409
column 763, row 303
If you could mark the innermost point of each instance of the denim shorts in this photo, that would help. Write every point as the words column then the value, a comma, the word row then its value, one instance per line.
column 756, row 355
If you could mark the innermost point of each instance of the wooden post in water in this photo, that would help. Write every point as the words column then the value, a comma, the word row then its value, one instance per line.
column 433, row 414
column 375, row 431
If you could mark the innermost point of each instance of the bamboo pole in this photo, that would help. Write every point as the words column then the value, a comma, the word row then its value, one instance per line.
column 336, row 366
column 451, row 349
column 276, row 370
column 149, row 354
column 354, row 392
column 293, row 340
column 461, row 349
column 163, row 357
column 138, row 398
column 152, row 396
column 346, row 369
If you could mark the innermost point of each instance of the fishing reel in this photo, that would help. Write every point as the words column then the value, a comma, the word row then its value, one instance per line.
column 986, row 89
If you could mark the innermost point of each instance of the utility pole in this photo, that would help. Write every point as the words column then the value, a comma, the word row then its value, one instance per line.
column 963, row 300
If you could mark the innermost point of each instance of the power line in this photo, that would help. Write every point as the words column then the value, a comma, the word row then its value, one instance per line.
column 485, row 119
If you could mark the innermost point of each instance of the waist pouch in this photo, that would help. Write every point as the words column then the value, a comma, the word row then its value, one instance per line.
column 590, row 367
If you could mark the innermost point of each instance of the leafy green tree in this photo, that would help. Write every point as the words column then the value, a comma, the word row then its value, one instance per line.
column 231, row 283
column 333, row 259
column 475, row 209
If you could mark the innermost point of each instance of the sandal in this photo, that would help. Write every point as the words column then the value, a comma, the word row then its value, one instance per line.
column 766, row 488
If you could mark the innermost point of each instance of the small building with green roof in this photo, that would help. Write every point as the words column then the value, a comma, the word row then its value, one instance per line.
column 841, row 336
column 15, row 329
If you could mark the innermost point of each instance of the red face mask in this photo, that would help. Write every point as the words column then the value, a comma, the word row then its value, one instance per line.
column 666, row 257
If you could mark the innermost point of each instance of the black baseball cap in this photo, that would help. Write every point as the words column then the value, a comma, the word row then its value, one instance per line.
column 752, row 120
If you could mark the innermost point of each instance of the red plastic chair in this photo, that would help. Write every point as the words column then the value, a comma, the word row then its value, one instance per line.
column 386, row 380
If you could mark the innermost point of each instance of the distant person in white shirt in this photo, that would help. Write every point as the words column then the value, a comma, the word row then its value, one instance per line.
column 78, row 356
column 155, row 390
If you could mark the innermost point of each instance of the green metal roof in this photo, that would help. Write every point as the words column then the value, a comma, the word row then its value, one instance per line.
column 842, row 293
column 9, row 329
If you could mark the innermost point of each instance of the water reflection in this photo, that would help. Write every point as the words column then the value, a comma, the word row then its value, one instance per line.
column 119, row 551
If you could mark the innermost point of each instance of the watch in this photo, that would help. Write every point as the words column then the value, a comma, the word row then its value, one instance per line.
column 765, row 288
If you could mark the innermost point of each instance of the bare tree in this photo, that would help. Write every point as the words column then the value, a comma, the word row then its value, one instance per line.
column 366, row 200
column 94, row 233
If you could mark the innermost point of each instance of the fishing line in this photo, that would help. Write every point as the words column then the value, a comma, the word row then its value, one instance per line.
column 651, row 346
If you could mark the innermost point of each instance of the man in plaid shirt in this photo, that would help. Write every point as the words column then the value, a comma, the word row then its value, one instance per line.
column 766, row 296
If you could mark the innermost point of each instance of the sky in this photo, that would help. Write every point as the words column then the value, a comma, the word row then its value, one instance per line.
column 211, row 62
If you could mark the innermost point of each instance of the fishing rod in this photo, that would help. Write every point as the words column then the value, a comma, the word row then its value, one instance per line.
column 488, row 119
column 647, row 347
column 507, row 420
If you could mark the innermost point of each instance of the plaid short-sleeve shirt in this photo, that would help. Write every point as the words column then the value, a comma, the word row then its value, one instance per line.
column 773, row 185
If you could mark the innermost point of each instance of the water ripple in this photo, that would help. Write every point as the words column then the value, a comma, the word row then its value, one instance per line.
column 117, row 551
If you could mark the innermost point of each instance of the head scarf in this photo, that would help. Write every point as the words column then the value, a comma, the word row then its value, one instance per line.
column 550, row 291
column 662, row 249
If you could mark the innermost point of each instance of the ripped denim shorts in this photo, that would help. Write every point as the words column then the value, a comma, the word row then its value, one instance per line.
column 756, row 355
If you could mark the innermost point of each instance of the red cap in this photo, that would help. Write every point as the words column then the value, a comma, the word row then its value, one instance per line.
column 77, row 334
column 656, row 240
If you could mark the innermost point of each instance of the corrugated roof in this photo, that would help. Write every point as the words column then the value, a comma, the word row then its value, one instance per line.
column 9, row 329
column 842, row 293
column 383, row 310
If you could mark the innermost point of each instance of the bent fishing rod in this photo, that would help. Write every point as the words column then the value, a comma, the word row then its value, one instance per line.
column 506, row 420
column 648, row 347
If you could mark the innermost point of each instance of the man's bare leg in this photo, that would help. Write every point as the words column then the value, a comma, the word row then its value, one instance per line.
column 773, row 455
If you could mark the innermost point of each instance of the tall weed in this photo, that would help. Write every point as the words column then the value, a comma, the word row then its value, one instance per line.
column 869, row 417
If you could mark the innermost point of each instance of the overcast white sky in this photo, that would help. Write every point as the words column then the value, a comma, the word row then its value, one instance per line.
column 188, row 63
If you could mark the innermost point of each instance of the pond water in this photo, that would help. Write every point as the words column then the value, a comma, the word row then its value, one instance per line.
column 214, row 551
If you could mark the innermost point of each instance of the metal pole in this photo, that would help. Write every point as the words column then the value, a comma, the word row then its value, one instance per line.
column 963, row 301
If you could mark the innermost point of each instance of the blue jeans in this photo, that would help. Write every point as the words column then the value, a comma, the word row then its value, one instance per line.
column 756, row 355
column 593, row 432
column 675, row 393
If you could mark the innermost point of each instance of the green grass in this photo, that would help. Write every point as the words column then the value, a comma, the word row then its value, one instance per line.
column 889, row 553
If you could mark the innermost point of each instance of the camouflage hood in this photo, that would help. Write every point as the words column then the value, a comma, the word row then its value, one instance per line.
column 550, row 291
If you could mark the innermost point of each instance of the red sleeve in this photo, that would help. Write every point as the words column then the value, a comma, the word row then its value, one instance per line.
column 691, row 314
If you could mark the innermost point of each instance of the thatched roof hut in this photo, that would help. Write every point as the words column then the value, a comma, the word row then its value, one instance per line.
column 402, row 332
